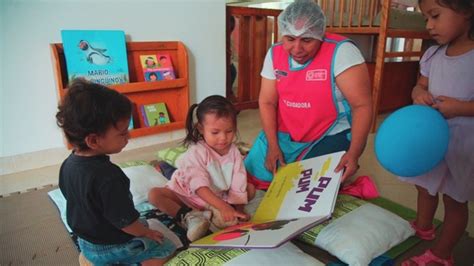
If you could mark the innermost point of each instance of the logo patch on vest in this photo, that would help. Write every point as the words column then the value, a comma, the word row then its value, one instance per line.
column 316, row 75
column 280, row 73
column 304, row 105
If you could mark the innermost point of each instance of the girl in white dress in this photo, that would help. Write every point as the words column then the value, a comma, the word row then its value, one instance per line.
column 447, row 84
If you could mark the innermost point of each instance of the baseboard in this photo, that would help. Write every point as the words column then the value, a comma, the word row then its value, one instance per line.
column 49, row 157
column 32, row 160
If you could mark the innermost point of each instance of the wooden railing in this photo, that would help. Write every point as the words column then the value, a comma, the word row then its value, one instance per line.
column 257, row 30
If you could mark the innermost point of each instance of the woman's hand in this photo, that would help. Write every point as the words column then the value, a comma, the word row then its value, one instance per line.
column 274, row 159
column 349, row 162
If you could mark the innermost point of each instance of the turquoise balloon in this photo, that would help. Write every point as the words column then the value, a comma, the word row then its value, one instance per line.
column 412, row 140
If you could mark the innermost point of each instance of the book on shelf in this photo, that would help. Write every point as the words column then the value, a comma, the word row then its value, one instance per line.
column 301, row 195
column 157, row 67
column 131, row 123
column 99, row 56
column 154, row 114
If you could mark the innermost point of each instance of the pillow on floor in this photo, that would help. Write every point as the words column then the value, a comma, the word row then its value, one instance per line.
column 359, row 232
column 287, row 254
column 363, row 234
column 143, row 177
column 172, row 155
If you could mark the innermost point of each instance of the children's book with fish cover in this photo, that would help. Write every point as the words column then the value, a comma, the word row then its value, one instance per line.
column 301, row 195
column 99, row 56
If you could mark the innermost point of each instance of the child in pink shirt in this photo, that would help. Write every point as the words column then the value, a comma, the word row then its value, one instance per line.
column 211, row 175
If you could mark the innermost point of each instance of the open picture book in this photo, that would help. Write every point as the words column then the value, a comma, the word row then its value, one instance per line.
column 301, row 195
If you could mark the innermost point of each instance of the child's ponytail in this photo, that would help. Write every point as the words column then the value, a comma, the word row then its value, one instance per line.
column 192, row 132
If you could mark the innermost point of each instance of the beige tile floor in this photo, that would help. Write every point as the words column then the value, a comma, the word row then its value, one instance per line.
column 249, row 126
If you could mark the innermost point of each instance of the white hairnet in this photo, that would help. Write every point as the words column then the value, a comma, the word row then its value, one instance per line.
column 303, row 18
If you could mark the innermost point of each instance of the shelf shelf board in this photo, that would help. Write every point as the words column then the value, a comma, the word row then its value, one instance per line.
column 174, row 93
column 156, row 129
column 150, row 86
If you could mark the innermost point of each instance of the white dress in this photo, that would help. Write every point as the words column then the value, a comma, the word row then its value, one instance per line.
column 451, row 76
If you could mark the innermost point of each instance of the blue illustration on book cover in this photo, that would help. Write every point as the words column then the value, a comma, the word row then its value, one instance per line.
column 99, row 56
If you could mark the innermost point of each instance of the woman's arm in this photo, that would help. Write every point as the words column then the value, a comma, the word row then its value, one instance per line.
column 268, row 104
column 354, row 84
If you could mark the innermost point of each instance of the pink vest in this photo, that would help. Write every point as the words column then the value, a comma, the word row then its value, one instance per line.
column 307, row 106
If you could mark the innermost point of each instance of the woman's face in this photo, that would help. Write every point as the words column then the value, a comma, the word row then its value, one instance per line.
column 301, row 49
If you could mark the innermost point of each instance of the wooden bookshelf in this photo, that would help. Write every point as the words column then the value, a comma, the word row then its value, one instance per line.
column 175, row 93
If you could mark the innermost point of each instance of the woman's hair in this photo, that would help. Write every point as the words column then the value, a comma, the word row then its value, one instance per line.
column 303, row 18
column 90, row 108
column 460, row 6
column 214, row 104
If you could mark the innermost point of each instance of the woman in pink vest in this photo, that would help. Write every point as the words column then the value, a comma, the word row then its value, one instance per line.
column 315, row 97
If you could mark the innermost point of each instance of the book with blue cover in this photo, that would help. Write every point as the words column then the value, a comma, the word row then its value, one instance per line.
column 99, row 56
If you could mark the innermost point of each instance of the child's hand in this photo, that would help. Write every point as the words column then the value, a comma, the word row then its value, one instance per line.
column 240, row 208
column 154, row 235
column 246, row 219
column 423, row 97
column 229, row 213
column 447, row 106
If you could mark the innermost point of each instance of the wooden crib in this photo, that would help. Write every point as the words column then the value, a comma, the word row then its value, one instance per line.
column 393, row 68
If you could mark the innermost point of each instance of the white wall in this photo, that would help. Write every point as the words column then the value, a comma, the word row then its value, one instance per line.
column 28, row 99
column 2, row 91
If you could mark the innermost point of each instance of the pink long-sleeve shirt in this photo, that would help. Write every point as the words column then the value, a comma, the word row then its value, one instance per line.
column 201, row 166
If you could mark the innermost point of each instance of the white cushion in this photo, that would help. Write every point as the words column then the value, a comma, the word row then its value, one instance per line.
column 287, row 254
column 142, row 179
column 363, row 234
column 58, row 198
